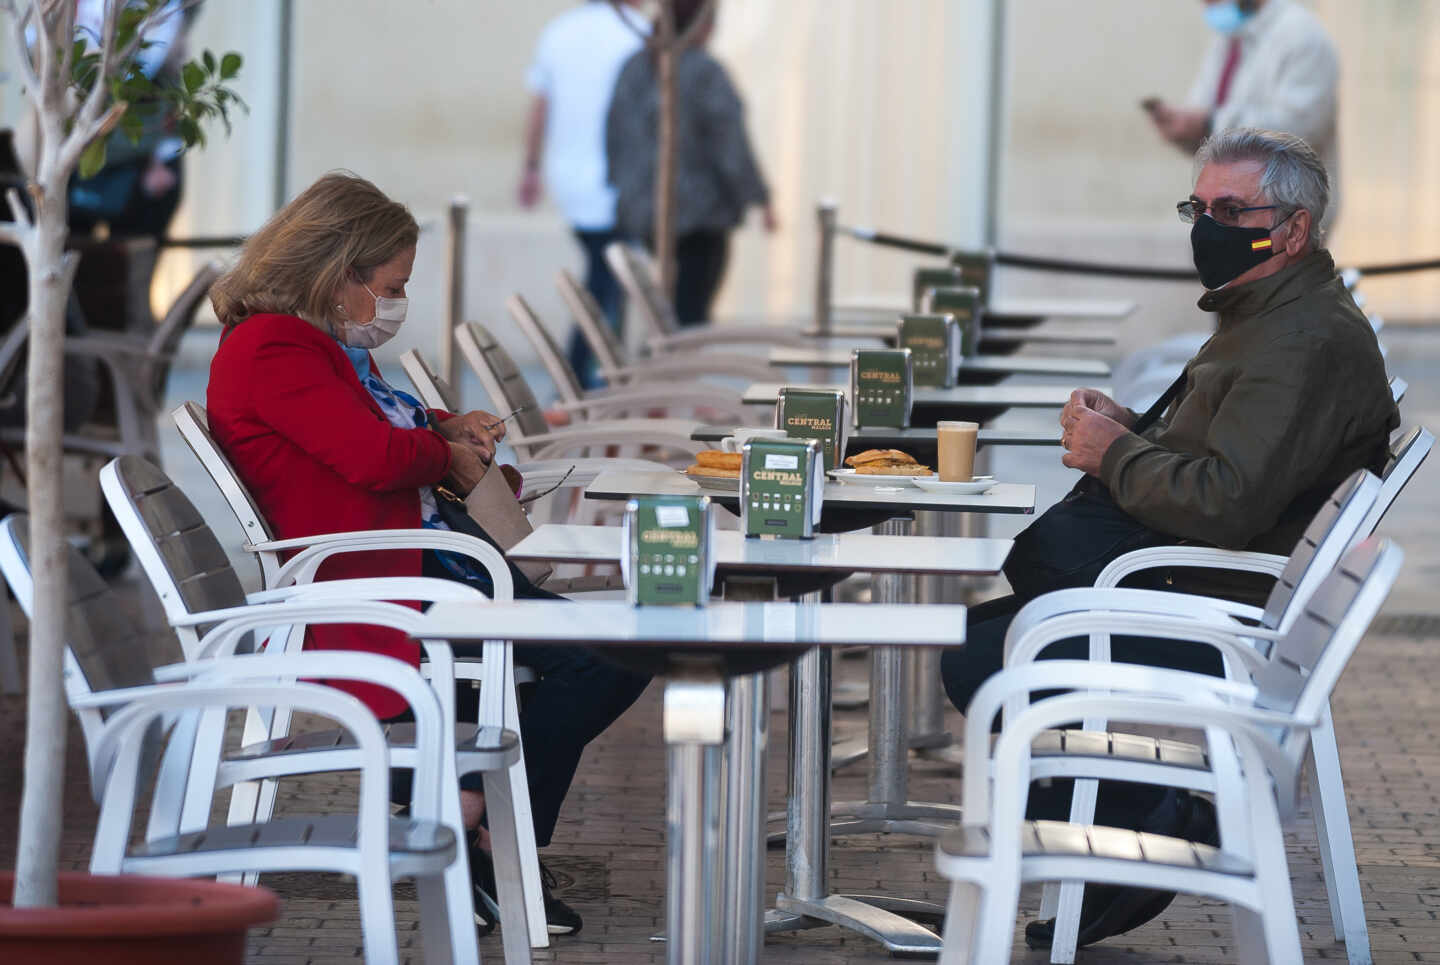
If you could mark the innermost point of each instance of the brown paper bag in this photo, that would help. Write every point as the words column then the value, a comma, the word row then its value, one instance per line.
column 493, row 505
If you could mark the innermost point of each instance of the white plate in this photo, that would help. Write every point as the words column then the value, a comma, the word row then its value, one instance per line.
column 972, row 488
column 869, row 479
column 719, row 484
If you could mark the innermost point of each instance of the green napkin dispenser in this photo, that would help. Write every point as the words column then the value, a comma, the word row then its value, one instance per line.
column 927, row 278
column 882, row 386
column 967, row 305
column 934, row 343
column 815, row 414
column 782, row 487
column 668, row 559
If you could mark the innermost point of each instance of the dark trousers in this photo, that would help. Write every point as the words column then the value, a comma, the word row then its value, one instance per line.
column 602, row 284
column 964, row 669
column 577, row 696
column 700, row 259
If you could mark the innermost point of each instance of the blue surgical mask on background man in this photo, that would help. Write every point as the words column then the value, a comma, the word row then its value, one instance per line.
column 1226, row 17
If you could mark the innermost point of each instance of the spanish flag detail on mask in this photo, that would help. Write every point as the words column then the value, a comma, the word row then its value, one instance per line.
column 1262, row 244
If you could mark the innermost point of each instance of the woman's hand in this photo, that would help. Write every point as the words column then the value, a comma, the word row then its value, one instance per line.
column 479, row 430
column 466, row 468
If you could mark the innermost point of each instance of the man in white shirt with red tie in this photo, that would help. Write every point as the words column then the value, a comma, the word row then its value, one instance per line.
column 1271, row 65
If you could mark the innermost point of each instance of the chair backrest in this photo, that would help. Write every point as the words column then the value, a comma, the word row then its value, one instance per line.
column 194, row 426
column 502, row 380
column 554, row 360
column 1398, row 388
column 177, row 321
column 434, row 392
column 175, row 547
column 594, row 328
column 1333, row 530
column 1304, row 665
column 640, row 277
column 105, row 648
column 1407, row 451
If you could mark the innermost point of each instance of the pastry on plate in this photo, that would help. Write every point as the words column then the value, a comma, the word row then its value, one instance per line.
column 886, row 462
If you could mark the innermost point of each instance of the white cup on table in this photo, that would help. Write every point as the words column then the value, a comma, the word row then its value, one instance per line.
column 736, row 442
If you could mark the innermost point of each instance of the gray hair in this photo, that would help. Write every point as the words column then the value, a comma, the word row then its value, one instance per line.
column 1294, row 176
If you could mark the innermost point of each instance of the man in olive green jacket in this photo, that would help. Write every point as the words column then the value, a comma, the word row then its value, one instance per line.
column 1283, row 403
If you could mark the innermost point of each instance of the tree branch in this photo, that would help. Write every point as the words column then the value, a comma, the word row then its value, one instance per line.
column 30, row 79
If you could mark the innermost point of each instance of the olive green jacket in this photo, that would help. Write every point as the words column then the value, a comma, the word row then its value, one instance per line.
column 1285, row 401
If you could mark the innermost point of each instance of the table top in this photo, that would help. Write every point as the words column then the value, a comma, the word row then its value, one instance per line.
column 1002, row 498
column 839, row 357
column 616, row 623
column 1046, row 333
column 875, row 437
column 835, row 552
column 1112, row 308
column 1003, row 396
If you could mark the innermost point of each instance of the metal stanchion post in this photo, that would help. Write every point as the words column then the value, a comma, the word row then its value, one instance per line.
column 455, row 284
column 825, row 269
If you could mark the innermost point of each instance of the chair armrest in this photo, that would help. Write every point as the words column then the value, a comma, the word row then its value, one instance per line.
column 659, row 433
column 1124, row 599
column 422, row 589
column 668, row 368
column 1191, row 556
column 301, row 568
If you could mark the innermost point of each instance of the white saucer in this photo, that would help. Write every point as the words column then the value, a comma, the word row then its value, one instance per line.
column 719, row 484
column 971, row 488
column 870, row 479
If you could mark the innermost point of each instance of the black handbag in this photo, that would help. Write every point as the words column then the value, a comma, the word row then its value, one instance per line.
column 457, row 517
column 1074, row 540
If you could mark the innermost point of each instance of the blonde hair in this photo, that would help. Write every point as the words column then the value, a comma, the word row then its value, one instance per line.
column 295, row 264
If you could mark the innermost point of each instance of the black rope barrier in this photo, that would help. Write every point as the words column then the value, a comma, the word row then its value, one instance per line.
column 1090, row 267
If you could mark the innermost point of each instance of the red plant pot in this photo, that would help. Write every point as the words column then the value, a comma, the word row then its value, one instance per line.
column 133, row 920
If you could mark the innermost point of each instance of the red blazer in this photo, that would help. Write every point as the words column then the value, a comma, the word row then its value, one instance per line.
column 319, row 456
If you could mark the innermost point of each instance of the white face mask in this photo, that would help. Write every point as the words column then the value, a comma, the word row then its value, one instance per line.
column 389, row 315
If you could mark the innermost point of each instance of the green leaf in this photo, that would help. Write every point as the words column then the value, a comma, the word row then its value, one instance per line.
column 189, row 131
column 209, row 59
column 193, row 76
column 230, row 65
column 92, row 159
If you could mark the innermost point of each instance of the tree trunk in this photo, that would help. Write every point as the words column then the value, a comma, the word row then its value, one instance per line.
column 47, row 719
column 666, row 54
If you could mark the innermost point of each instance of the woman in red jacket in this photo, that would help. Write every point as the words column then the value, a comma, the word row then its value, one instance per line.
column 325, row 445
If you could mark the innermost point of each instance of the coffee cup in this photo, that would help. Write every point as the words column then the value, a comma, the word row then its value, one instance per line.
column 736, row 442
column 955, row 445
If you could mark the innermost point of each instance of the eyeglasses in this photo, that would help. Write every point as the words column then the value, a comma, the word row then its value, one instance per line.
column 1222, row 211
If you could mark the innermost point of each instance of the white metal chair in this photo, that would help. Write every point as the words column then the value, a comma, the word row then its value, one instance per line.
column 639, row 276
column 120, row 679
column 531, row 437
column 617, row 369
column 1351, row 516
column 638, row 399
column 1257, row 739
column 250, row 801
column 197, row 586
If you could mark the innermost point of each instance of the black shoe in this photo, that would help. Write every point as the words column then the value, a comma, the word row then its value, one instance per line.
column 560, row 917
column 1113, row 910
column 482, row 888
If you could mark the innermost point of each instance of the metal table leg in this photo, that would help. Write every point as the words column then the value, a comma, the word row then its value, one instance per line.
column 743, row 837
column 694, row 728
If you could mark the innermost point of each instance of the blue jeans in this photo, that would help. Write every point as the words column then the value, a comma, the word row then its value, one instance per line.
column 602, row 284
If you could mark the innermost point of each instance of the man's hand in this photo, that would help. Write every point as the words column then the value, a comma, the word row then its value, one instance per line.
column 1097, row 401
column 1182, row 126
column 1088, row 434
column 476, row 429
column 466, row 468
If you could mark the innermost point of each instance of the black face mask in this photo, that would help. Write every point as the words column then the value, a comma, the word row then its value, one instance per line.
column 1225, row 252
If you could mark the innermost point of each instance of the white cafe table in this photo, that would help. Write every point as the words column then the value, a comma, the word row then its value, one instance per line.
column 1000, row 306
column 838, row 357
column 888, row 807
column 701, row 918
column 991, row 336
column 1004, row 396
